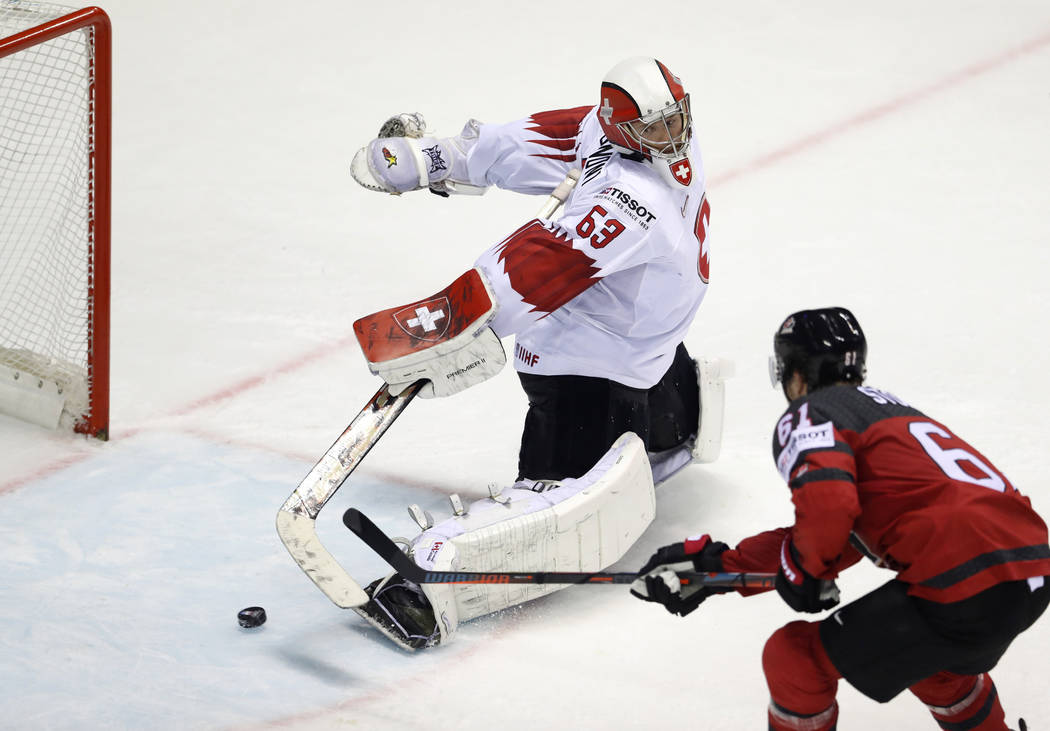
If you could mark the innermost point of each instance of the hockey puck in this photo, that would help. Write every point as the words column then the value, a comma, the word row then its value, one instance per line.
column 251, row 616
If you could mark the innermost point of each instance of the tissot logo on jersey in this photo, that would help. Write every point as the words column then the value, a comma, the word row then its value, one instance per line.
column 629, row 205
column 813, row 437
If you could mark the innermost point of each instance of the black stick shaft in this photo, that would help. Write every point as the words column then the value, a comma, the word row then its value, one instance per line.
column 379, row 542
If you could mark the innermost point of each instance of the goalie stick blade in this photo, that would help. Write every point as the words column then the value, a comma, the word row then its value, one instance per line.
column 300, row 538
column 380, row 542
column 295, row 519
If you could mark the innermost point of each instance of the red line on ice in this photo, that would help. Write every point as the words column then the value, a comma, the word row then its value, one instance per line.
column 248, row 384
column 837, row 129
column 884, row 109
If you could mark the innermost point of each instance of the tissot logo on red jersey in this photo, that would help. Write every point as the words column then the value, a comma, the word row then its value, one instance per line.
column 425, row 320
column 802, row 439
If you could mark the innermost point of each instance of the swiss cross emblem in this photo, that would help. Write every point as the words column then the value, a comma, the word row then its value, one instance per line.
column 425, row 320
column 682, row 171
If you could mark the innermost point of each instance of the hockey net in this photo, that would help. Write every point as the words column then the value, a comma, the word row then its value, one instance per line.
column 54, row 215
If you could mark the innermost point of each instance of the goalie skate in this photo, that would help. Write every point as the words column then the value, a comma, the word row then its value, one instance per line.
column 397, row 608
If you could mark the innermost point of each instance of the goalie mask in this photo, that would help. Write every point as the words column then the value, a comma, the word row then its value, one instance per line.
column 644, row 110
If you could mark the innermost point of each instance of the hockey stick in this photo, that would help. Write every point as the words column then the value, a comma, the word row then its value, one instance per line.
column 295, row 519
column 559, row 194
column 379, row 542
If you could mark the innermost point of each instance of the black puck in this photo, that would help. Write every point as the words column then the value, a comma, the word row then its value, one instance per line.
column 251, row 616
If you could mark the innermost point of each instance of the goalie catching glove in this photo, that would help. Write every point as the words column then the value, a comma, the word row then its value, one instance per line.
column 403, row 159
column 444, row 339
column 658, row 580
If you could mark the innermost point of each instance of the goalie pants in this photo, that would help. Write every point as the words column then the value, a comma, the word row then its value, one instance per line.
column 573, row 420
column 888, row 641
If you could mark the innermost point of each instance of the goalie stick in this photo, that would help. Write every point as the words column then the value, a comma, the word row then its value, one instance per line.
column 379, row 542
column 559, row 194
column 295, row 519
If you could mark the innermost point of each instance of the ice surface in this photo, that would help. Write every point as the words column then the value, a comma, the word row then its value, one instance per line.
column 891, row 158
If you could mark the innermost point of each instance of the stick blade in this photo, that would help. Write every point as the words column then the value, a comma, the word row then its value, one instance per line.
column 299, row 536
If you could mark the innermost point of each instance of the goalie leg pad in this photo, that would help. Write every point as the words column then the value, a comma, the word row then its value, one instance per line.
column 687, row 413
column 711, row 374
column 581, row 525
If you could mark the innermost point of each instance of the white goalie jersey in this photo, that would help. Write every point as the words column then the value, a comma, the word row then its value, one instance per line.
column 610, row 288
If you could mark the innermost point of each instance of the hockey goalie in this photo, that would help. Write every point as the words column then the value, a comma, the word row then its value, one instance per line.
column 599, row 300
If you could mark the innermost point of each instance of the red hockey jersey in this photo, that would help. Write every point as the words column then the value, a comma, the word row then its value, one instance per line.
column 871, row 475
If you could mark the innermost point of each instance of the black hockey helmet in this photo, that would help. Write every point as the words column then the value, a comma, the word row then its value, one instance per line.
column 825, row 345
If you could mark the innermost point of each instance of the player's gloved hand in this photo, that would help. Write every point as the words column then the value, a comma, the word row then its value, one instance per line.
column 658, row 580
column 802, row 592
column 403, row 125
column 404, row 159
column 409, row 125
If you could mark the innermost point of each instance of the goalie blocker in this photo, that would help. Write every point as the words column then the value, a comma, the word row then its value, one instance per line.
column 444, row 339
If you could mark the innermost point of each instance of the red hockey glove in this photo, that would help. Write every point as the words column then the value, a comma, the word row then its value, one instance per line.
column 658, row 580
column 802, row 592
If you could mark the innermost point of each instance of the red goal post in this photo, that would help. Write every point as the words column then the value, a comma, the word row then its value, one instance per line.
column 55, row 157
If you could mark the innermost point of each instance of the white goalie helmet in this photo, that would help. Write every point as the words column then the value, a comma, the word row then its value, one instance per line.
column 644, row 109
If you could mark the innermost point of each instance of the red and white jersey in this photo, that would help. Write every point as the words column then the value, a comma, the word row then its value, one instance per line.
column 610, row 288
column 871, row 475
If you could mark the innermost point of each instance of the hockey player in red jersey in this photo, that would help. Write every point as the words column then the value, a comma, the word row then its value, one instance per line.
column 872, row 476
column 599, row 299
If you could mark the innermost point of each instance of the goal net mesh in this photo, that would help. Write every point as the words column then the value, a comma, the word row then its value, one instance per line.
column 46, row 205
